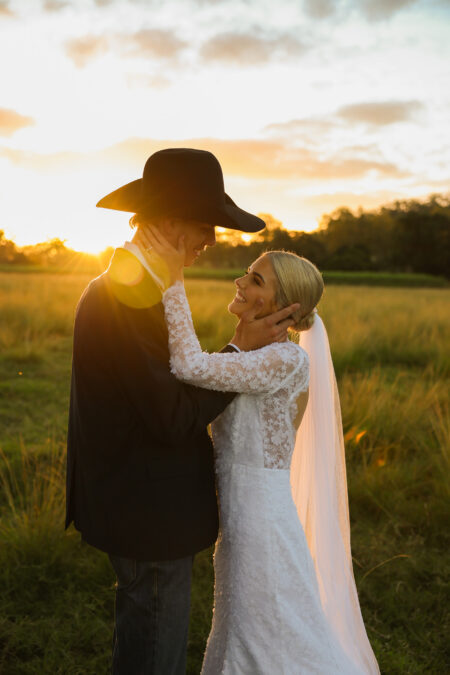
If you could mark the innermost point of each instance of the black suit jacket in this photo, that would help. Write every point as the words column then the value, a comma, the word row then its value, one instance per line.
column 140, row 475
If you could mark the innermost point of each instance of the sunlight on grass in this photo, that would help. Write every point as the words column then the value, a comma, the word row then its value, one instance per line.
column 390, row 349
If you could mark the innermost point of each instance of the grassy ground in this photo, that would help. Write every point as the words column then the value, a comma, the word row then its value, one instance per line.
column 390, row 349
column 390, row 279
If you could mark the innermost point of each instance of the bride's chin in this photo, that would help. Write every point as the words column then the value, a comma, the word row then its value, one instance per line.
column 233, row 309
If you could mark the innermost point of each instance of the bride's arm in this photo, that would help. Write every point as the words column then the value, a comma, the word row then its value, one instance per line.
column 262, row 370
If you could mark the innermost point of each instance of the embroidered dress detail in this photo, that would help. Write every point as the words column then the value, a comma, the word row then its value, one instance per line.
column 268, row 617
column 277, row 374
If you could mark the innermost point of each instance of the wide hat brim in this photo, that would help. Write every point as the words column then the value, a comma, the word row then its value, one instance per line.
column 184, row 183
column 228, row 214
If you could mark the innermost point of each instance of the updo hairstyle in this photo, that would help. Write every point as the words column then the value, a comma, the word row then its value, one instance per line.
column 300, row 281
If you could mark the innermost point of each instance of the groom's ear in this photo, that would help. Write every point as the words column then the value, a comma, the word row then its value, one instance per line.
column 171, row 228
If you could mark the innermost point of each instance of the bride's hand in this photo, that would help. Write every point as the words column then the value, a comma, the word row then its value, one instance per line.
column 152, row 239
column 252, row 333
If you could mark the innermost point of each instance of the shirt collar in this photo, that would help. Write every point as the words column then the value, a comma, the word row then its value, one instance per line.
column 136, row 251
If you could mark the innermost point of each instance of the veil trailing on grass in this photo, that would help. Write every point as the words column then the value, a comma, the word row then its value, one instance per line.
column 319, row 489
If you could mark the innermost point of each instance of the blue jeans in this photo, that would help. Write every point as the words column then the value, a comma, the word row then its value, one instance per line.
column 152, row 616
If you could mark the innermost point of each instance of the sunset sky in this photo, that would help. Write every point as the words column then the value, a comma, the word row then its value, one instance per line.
column 308, row 104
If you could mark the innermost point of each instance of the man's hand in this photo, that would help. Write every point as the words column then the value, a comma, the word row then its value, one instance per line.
column 252, row 333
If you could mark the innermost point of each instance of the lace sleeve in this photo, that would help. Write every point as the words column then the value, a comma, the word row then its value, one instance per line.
column 263, row 370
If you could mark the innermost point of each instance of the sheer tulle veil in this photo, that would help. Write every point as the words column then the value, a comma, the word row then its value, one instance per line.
column 319, row 489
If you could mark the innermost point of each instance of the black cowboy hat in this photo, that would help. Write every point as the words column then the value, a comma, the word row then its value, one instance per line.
column 186, row 183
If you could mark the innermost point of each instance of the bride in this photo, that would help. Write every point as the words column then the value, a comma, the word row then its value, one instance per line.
column 285, row 599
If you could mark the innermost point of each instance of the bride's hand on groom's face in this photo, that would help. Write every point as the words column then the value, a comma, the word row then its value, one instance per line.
column 252, row 333
column 151, row 239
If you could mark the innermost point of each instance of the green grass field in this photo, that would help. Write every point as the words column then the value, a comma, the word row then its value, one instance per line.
column 391, row 353
column 388, row 279
column 391, row 279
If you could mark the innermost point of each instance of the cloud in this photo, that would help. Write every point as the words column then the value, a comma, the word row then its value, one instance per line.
column 372, row 10
column 11, row 121
column 84, row 49
column 252, row 159
column 370, row 113
column 153, row 43
column 380, row 113
column 5, row 9
column 376, row 10
column 54, row 5
column 140, row 80
column 319, row 9
column 303, row 126
column 160, row 44
column 277, row 160
column 251, row 48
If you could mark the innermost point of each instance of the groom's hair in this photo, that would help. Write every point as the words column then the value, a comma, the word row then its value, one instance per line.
column 141, row 220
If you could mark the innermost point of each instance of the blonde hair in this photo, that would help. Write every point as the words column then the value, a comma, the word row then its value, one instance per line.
column 300, row 281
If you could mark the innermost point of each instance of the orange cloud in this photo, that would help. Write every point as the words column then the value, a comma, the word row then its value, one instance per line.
column 252, row 48
column 5, row 10
column 261, row 159
column 304, row 126
column 157, row 81
column 161, row 44
column 11, row 121
column 254, row 159
column 153, row 43
column 380, row 113
column 84, row 49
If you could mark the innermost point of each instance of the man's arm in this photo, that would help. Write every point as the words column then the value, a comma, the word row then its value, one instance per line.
column 170, row 408
column 113, row 357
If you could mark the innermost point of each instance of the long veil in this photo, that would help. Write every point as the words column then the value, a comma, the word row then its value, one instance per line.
column 319, row 489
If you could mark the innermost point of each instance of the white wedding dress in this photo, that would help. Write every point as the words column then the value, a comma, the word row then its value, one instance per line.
column 268, row 617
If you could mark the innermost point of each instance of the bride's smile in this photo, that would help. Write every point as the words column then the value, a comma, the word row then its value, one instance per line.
column 258, row 284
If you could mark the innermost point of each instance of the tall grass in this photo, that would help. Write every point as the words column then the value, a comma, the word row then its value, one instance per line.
column 390, row 352
column 389, row 279
column 366, row 325
column 55, row 604
column 34, row 310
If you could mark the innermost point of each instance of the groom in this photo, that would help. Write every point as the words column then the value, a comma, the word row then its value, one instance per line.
column 140, row 475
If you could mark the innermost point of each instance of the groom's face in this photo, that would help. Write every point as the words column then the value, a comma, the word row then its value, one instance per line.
column 197, row 236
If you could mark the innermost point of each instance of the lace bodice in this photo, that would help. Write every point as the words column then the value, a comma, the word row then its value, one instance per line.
column 275, row 374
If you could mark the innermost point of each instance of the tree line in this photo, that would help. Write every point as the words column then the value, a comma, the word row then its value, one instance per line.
column 406, row 236
column 52, row 254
